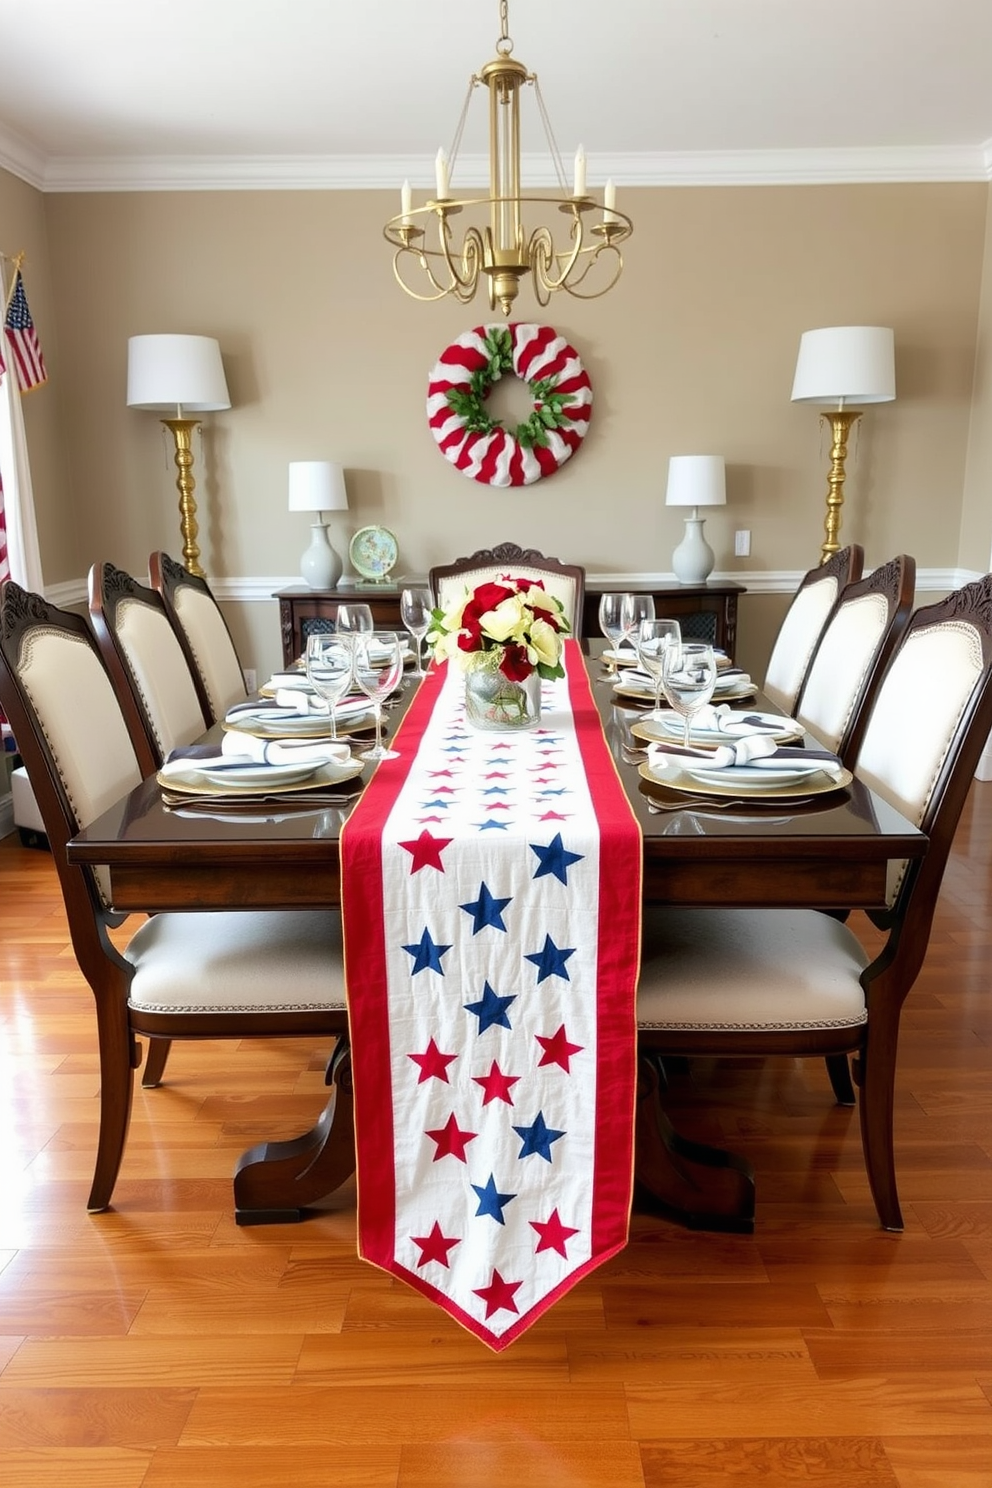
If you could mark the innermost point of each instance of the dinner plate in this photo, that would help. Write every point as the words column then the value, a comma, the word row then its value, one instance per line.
column 735, row 693
column 750, row 775
column 768, row 788
column 263, row 725
column 192, row 782
column 258, row 774
column 668, row 726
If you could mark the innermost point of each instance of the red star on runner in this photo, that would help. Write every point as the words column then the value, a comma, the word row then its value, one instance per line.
column 435, row 1246
column 439, row 772
column 430, row 818
column 551, row 816
column 496, row 1085
column 498, row 1294
column 496, row 775
column 451, row 1140
column 553, row 1235
column 432, row 1063
column 557, row 1049
column 426, row 851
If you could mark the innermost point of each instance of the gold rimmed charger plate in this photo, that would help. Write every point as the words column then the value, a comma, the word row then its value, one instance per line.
column 652, row 732
column 303, row 726
column 672, row 778
column 193, row 783
column 738, row 694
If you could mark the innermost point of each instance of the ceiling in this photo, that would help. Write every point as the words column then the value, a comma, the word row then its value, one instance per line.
column 123, row 94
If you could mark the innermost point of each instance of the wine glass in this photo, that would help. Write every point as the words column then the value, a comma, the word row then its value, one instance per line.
column 416, row 606
column 653, row 640
column 688, row 677
column 377, row 679
column 633, row 609
column 328, row 667
column 354, row 619
column 610, row 623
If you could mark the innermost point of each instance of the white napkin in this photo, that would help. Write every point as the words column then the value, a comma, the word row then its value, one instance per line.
column 722, row 719
column 756, row 750
column 243, row 749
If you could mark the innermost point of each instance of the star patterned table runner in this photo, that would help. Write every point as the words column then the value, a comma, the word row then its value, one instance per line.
column 491, row 895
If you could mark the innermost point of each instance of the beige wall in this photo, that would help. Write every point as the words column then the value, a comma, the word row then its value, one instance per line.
column 326, row 358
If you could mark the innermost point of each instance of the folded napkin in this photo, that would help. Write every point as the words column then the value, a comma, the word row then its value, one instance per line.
column 757, row 751
column 242, row 749
column 722, row 719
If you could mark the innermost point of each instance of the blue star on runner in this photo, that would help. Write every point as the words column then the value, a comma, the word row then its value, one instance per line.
column 555, row 858
column 537, row 1138
column 490, row 1009
column 550, row 960
column 486, row 910
column 492, row 826
column 427, row 954
column 491, row 1201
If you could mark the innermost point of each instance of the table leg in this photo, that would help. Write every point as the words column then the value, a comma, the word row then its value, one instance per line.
column 275, row 1182
column 703, row 1188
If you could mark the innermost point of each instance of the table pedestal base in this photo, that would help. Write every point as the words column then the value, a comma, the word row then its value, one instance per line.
column 278, row 1182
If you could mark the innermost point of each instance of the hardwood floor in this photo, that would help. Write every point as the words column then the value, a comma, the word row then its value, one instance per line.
column 159, row 1345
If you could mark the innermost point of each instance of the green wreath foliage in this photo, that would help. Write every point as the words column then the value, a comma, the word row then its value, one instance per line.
column 469, row 403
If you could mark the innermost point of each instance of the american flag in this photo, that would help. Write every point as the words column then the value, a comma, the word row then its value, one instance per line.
column 22, row 338
column 491, row 953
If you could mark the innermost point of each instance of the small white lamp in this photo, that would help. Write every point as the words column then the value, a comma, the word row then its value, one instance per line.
column 181, row 373
column 695, row 480
column 318, row 486
column 836, row 366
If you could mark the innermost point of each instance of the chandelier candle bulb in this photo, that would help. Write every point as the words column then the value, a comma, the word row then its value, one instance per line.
column 580, row 173
column 610, row 202
column 406, row 203
column 441, row 175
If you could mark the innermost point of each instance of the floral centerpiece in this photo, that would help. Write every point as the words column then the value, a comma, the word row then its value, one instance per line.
column 507, row 635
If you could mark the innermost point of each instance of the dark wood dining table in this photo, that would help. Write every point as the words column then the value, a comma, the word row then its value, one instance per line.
column 830, row 854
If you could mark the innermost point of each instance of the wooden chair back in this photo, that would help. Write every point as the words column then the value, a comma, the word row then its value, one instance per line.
column 203, row 633
column 566, row 581
column 803, row 624
column 863, row 630
column 144, row 656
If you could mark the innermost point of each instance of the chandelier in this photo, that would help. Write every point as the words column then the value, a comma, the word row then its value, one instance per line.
column 586, row 261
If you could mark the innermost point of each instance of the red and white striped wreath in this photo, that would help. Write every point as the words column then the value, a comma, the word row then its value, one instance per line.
column 478, row 444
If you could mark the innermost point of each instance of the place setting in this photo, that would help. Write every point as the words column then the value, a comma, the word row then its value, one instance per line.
column 246, row 770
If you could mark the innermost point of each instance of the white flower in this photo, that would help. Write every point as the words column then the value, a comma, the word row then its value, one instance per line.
column 507, row 622
column 545, row 644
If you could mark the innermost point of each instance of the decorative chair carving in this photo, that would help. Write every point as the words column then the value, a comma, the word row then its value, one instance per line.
column 803, row 624
column 214, row 974
column 566, row 581
column 203, row 633
column 752, row 983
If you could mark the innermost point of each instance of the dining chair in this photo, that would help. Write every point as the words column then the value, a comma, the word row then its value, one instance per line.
column 144, row 657
column 203, row 633
column 746, row 983
column 182, row 975
column 565, row 581
column 803, row 624
column 864, row 628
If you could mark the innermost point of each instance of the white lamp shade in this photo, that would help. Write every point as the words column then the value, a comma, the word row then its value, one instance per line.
column 168, row 372
column 316, row 485
column 845, row 364
column 696, row 480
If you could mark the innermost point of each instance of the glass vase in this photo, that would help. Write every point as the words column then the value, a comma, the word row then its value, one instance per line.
column 495, row 703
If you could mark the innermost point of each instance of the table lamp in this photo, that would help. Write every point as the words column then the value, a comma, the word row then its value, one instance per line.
column 695, row 480
column 838, row 365
column 184, row 373
column 318, row 486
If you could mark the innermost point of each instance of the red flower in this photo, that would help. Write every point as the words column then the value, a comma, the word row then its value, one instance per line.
column 515, row 666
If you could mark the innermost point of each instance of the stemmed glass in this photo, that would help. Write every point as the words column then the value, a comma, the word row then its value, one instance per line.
column 378, row 679
column 633, row 609
column 654, row 639
column 353, row 619
column 416, row 605
column 688, row 677
column 611, row 624
column 328, row 666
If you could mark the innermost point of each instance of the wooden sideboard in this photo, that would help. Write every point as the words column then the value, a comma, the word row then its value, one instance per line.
column 706, row 612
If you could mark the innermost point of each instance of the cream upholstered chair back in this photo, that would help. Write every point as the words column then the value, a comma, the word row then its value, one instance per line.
column 803, row 625
column 860, row 635
column 203, row 634
column 142, row 651
column 451, row 582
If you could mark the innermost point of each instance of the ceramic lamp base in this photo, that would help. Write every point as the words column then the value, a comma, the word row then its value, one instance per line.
column 693, row 559
column 320, row 566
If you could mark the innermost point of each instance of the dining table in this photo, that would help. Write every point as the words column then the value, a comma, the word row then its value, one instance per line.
column 830, row 853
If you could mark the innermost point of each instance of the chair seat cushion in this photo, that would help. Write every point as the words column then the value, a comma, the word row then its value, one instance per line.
column 238, row 961
column 759, row 969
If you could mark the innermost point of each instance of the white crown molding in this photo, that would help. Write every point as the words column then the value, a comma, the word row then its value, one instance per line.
column 380, row 172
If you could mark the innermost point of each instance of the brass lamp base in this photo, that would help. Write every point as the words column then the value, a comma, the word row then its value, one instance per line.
column 182, row 433
column 842, row 422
